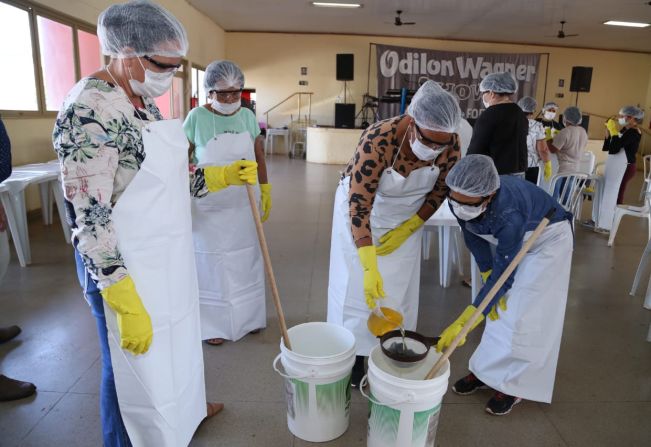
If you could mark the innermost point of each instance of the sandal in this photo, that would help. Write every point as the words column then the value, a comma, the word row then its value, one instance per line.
column 215, row 341
column 212, row 408
column 255, row 331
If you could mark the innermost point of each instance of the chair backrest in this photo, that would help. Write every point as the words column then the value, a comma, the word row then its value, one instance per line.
column 647, row 165
column 587, row 162
column 571, row 190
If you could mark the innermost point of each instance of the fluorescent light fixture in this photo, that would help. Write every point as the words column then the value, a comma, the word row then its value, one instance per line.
column 631, row 24
column 336, row 5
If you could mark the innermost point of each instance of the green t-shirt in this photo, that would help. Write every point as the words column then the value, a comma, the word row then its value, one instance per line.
column 201, row 125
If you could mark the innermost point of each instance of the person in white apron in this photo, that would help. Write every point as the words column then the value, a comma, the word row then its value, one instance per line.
column 518, row 352
column 125, row 177
column 227, row 251
column 393, row 184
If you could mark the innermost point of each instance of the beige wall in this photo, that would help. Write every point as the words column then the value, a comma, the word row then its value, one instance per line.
column 272, row 62
column 31, row 137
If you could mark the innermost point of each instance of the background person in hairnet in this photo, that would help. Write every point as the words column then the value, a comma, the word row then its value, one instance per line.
column 229, row 261
column 501, row 130
column 125, row 179
column 518, row 351
column 536, row 148
column 569, row 144
column 548, row 119
column 392, row 185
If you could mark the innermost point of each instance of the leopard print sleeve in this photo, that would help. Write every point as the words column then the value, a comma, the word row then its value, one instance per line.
column 440, row 190
column 365, row 170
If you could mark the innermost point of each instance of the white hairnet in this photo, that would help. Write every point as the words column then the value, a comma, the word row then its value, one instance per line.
column 225, row 73
column 474, row 175
column 140, row 28
column 550, row 105
column 572, row 115
column 498, row 83
column 633, row 111
column 528, row 104
column 435, row 109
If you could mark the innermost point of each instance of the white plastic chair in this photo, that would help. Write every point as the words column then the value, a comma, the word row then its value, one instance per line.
column 642, row 269
column 647, row 173
column 571, row 191
column 587, row 162
column 643, row 212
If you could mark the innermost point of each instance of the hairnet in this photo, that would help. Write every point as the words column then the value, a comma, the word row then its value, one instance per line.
column 435, row 109
column 498, row 83
column 550, row 105
column 225, row 73
column 633, row 111
column 528, row 104
column 474, row 175
column 572, row 115
column 140, row 28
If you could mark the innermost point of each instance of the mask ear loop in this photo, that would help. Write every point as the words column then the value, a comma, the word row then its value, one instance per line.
column 142, row 123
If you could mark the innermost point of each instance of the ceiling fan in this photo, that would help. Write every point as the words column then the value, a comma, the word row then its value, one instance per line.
column 398, row 21
column 561, row 33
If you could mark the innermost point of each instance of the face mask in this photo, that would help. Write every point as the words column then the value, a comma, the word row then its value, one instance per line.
column 423, row 152
column 225, row 108
column 622, row 121
column 466, row 212
column 154, row 85
column 549, row 115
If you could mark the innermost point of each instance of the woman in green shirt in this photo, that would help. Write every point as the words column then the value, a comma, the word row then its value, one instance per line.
column 228, row 257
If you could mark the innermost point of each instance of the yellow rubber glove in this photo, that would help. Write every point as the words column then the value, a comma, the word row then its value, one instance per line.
column 265, row 200
column 548, row 134
column 485, row 275
column 393, row 239
column 451, row 332
column 611, row 125
column 237, row 173
column 501, row 304
column 373, row 285
column 134, row 323
column 547, row 173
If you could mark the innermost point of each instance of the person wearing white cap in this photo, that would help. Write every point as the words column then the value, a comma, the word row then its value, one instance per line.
column 536, row 148
column 394, row 182
column 548, row 121
column 519, row 348
column 501, row 130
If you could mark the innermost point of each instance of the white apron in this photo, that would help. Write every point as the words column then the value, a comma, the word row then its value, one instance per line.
column 609, row 189
column 227, row 251
column 161, row 393
column 397, row 199
column 518, row 352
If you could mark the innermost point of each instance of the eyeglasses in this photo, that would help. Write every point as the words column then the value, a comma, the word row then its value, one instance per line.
column 433, row 144
column 162, row 65
column 224, row 95
column 450, row 198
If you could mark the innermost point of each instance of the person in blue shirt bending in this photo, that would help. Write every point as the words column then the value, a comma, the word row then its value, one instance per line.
column 518, row 352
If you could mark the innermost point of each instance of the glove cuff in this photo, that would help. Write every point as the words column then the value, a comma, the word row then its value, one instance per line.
column 122, row 297
column 368, row 257
column 215, row 178
column 467, row 313
column 414, row 223
column 265, row 188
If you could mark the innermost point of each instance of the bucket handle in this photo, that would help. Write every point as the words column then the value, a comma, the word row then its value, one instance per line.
column 287, row 376
column 410, row 396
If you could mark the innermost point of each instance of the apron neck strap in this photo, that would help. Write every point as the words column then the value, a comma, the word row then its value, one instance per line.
column 395, row 157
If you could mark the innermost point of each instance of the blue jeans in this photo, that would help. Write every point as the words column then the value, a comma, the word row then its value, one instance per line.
column 113, row 430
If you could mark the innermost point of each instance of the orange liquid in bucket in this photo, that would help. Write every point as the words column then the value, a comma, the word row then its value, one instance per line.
column 379, row 323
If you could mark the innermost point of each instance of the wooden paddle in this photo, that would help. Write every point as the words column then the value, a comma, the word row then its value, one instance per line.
column 643, row 129
column 267, row 265
column 490, row 295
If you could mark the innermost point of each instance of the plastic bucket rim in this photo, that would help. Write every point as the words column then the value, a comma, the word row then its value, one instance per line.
column 342, row 354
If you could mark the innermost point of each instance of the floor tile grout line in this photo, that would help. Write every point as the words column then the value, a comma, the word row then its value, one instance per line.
column 560, row 435
column 59, row 400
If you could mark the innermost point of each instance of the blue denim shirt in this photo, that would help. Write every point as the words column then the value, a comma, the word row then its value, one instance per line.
column 517, row 207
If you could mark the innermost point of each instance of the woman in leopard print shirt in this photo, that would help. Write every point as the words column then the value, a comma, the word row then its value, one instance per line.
column 393, row 184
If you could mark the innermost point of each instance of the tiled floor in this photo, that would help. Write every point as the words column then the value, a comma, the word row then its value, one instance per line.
column 603, row 385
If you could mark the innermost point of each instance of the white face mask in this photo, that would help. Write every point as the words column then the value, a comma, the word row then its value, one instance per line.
column 423, row 152
column 225, row 108
column 154, row 85
column 466, row 212
column 622, row 121
column 549, row 115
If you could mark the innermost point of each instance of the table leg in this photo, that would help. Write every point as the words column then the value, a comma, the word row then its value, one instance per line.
column 57, row 190
column 446, row 259
column 46, row 202
column 427, row 242
column 14, row 227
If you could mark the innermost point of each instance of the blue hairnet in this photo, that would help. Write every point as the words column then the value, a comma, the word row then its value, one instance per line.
column 435, row 109
column 498, row 83
column 474, row 175
column 550, row 105
column 528, row 104
column 572, row 115
column 140, row 28
column 223, row 74
column 633, row 111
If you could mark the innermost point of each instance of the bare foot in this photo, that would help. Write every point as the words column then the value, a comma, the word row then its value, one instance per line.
column 215, row 341
column 213, row 408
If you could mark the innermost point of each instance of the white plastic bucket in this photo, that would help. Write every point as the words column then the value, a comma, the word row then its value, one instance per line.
column 404, row 408
column 317, row 380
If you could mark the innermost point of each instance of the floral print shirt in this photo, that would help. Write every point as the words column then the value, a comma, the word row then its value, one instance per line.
column 97, row 137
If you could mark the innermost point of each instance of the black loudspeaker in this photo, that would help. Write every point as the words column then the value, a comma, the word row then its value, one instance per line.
column 581, row 79
column 345, row 67
column 345, row 115
column 585, row 122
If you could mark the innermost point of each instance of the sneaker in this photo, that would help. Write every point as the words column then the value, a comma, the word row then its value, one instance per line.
column 468, row 385
column 601, row 230
column 358, row 371
column 588, row 224
column 11, row 389
column 501, row 404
